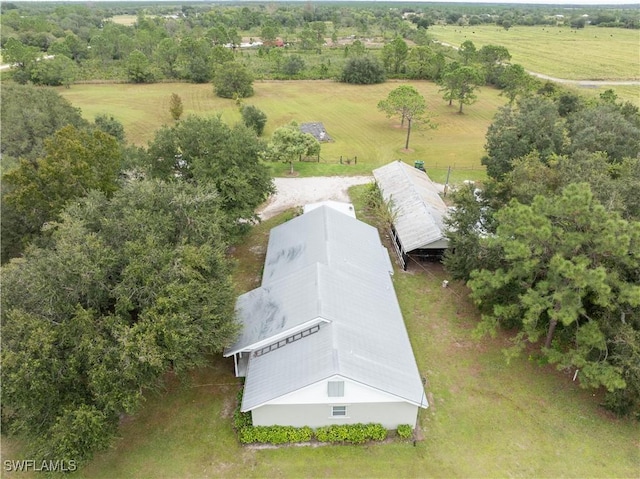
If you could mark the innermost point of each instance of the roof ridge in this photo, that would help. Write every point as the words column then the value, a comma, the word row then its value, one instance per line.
column 413, row 189
column 318, row 298
column 327, row 250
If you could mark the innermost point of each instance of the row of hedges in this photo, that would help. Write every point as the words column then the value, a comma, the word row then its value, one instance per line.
column 344, row 434
column 351, row 433
column 274, row 434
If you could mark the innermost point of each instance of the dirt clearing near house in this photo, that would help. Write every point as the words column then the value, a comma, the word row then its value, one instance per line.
column 293, row 192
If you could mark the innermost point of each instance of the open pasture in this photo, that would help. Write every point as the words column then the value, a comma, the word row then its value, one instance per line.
column 349, row 113
column 590, row 53
column 126, row 20
column 486, row 419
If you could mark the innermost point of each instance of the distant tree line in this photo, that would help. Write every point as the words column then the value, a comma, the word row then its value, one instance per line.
column 191, row 42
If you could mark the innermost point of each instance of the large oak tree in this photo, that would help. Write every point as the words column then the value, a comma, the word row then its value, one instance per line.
column 207, row 150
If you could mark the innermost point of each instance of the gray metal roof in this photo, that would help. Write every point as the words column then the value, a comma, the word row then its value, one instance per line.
column 316, row 129
column 417, row 205
column 362, row 335
column 323, row 235
column 282, row 306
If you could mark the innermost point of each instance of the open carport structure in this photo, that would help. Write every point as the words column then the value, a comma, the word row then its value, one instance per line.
column 418, row 211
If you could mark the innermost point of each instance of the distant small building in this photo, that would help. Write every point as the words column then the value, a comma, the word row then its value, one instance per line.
column 316, row 129
column 418, row 209
column 274, row 43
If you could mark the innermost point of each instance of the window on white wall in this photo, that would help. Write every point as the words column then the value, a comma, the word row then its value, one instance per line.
column 335, row 389
column 338, row 411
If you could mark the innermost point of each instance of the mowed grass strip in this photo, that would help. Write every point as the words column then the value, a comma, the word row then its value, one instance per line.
column 349, row 113
column 590, row 53
column 487, row 418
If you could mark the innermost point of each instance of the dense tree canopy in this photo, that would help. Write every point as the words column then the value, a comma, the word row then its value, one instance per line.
column 424, row 63
column 604, row 127
column 614, row 185
column 394, row 55
column 129, row 288
column 36, row 114
column 533, row 125
column 206, row 150
column 139, row 67
column 35, row 192
column 55, row 72
column 363, row 70
column 557, row 126
column 515, row 82
column 233, row 80
column 570, row 272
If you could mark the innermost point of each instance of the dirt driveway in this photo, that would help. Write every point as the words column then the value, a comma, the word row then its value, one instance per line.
column 292, row 192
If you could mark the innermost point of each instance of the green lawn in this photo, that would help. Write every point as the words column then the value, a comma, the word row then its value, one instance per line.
column 348, row 112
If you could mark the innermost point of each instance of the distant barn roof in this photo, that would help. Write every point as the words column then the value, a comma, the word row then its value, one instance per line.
column 419, row 209
column 316, row 129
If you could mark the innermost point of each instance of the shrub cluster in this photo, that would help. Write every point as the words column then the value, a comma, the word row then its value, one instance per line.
column 241, row 419
column 351, row 433
column 274, row 434
column 405, row 431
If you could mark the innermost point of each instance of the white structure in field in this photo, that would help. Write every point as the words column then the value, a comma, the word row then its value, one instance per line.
column 323, row 339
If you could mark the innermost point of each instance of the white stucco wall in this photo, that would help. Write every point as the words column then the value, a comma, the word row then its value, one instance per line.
column 390, row 414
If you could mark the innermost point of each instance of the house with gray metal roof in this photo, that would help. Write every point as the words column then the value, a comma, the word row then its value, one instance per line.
column 417, row 208
column 323, row 339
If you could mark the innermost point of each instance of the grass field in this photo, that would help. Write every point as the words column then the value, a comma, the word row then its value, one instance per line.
column 348, row 112
column 126, row 20
column 587, row 54
column 590, row 53
column 486, row 419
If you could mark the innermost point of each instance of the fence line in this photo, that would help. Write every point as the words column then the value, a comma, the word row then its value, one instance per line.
column 343, row 160
column 346, row 160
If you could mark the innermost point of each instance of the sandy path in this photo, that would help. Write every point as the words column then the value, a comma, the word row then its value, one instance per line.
column 292, row 192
